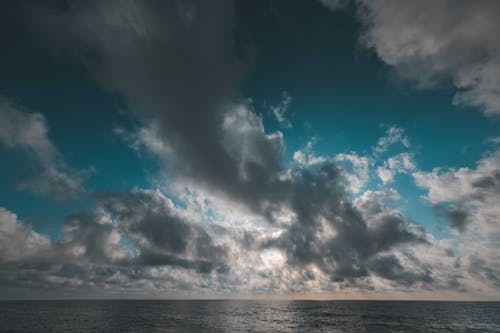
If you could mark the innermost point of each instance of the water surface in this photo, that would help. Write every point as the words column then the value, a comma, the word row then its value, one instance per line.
column 248, row 316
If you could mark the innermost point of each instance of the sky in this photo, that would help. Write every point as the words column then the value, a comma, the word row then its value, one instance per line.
column 334, row 149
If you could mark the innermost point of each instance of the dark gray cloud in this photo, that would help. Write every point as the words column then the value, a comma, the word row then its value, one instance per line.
column 489, row 182
column 483, row 270
column 88, row 238
column 177, row 63
column 173, row 60
column 390, row 268
column 161, row 233
column 457, row 216
column 336, row 236
column 139, row 236
column 130, row 238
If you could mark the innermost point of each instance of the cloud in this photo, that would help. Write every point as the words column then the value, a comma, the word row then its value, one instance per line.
column 162, row 232
column 389, row 267
column 28, row 132
column 246, row 142
column 332, row 234
column 280, row 110
column 468, row 198
column 173, row 62
column 457, row 216
column 146, row 138
column 465, row 194
column 306, row 156
column 18, row 240
column 183, row 74
column 178, row 67
column 90, row 238
column 181, row 71
column 319, row 241
column 318, row 230
column 129, row 237
column 401, row 163
column 392, row 136
column 317, row 238
column 493, row 140
column 356, row 170
column 475, row 186
column 431, row 42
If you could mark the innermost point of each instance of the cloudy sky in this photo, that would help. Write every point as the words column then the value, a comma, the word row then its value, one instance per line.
column 281, row 149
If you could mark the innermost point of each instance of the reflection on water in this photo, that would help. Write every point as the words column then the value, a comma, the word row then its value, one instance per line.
column 248, row 316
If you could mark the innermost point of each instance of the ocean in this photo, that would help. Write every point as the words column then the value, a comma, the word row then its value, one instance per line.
column 248, row 316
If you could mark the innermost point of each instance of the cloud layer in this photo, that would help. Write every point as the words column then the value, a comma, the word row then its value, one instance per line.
column 230, row 217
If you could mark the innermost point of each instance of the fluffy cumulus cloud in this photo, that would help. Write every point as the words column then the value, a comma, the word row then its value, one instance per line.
column 468, row 199
column 28, row 133
column 466, row 194
column 306, row 155
column 393, row 135
column 356, row 169
column 440, row 41
column 18, row 240
column 401, row 163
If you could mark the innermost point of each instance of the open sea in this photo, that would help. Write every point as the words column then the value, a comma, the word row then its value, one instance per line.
column 248, row 316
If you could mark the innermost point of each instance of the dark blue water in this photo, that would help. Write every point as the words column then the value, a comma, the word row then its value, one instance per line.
column 248, row 316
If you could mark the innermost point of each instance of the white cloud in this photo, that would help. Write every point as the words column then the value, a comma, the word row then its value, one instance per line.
column 437, row 41
column 280, row 110
column 356, row 169
column 401, row 163
column 372, row 203
column 18, row 240
column 463, row 184
column 306, row 155
column 386, row 175
column 393, row 135
column 245, row 140
column 474, row 191
column 469, row 198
